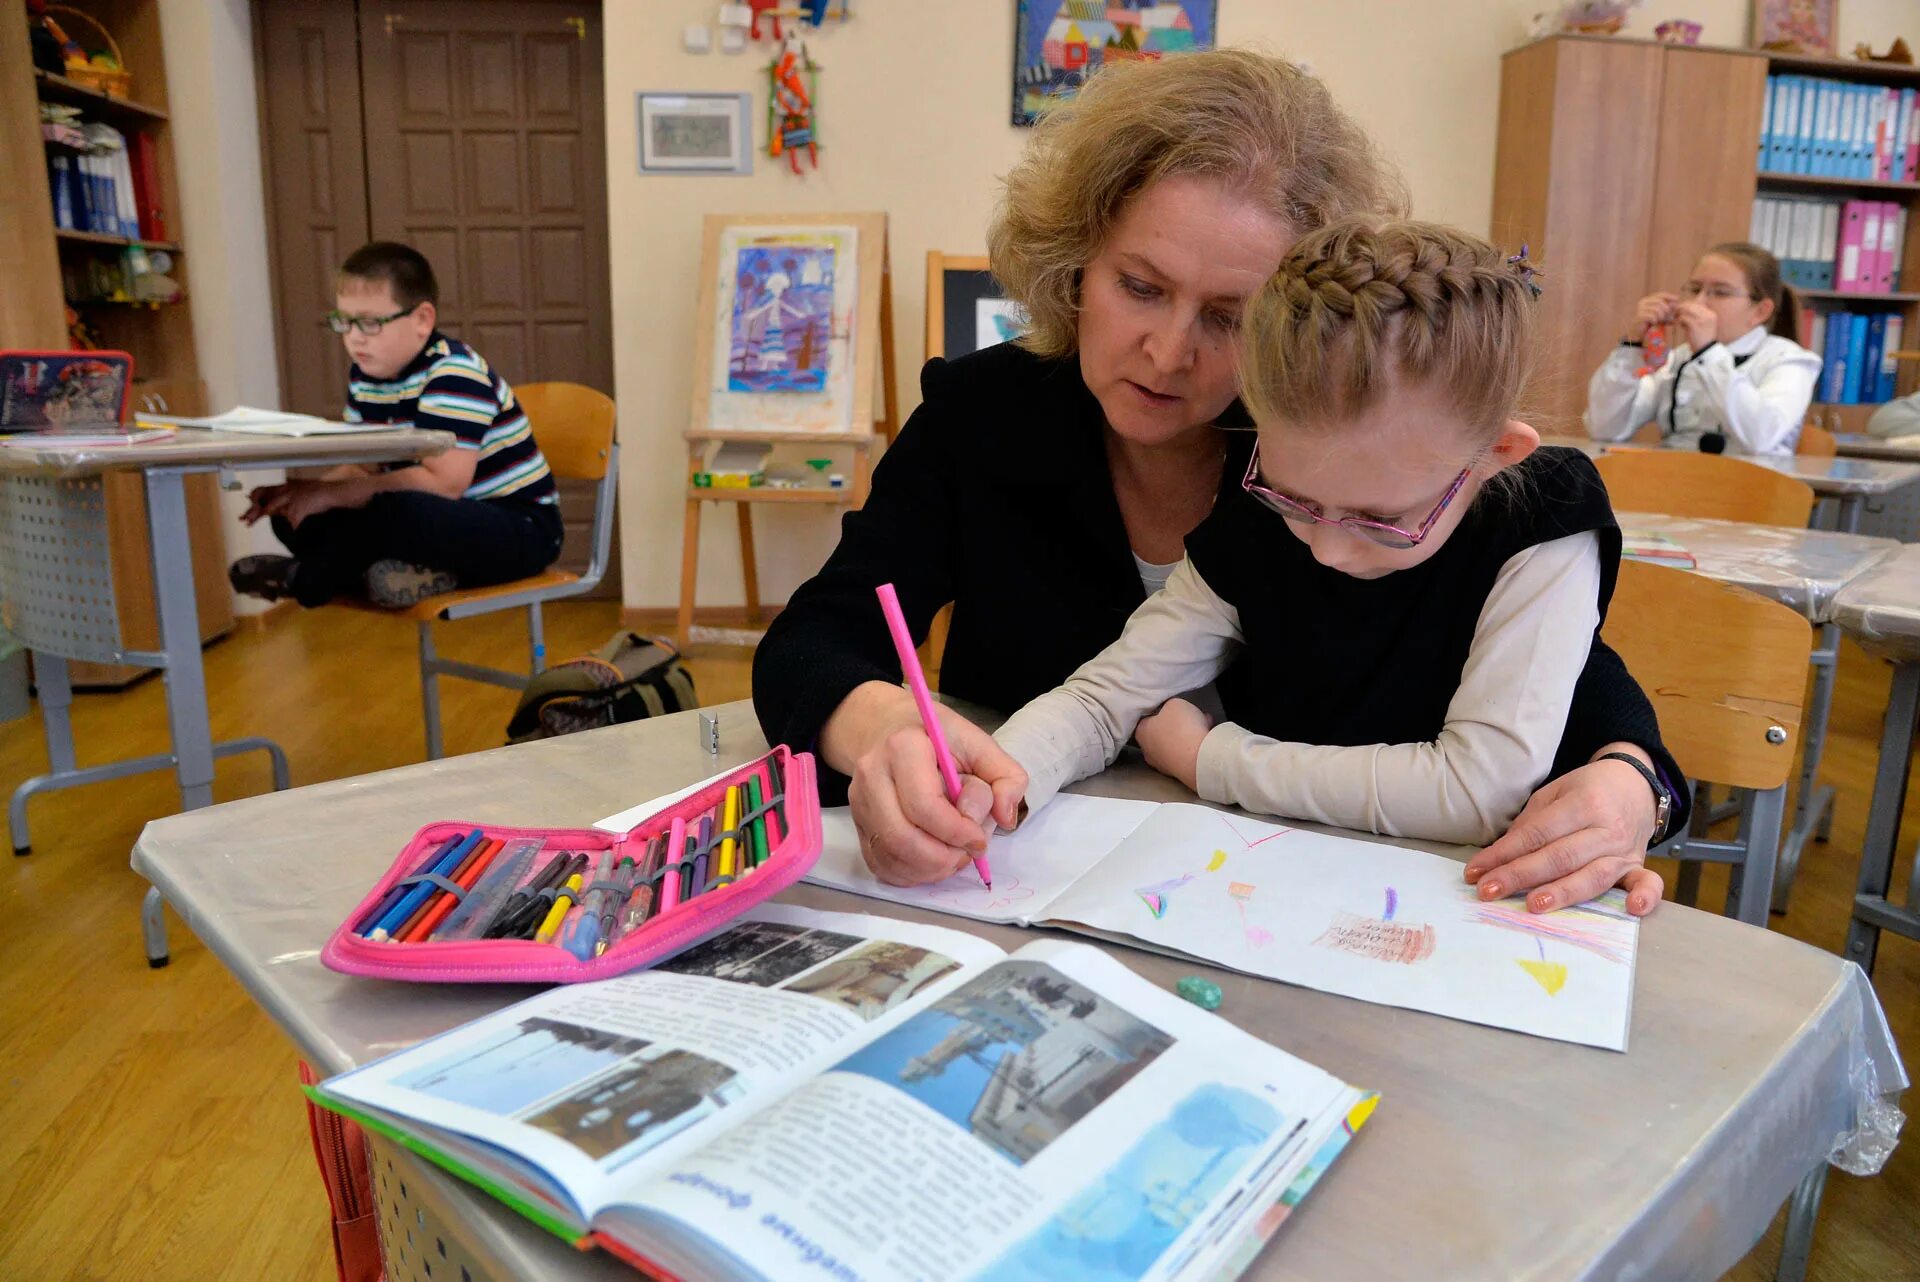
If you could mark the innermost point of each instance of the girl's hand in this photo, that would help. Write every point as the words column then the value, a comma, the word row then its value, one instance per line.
column 1654, row 309
column 1579, row 835
column 1698, row 320
column 1171, row 739
column 909, row 832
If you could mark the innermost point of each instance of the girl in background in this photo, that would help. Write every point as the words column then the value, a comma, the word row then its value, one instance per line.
column 1737, row 379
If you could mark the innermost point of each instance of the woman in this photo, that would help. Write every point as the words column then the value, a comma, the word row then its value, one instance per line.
column 1045, row 489
column 1737, row 379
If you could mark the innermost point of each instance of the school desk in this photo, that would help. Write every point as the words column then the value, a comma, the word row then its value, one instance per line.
column 56, row 592
column 1493, row 1154
column 1862, row 445
column 1881, row 610
column 1803, row 570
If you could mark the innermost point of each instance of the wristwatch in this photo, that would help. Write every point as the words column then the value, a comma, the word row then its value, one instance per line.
column 1662, row 799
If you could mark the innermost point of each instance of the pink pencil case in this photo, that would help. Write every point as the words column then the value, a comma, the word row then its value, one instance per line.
column 790, row 807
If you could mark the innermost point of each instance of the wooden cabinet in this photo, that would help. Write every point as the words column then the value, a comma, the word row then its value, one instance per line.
column 1620, row 160
column 33, row 311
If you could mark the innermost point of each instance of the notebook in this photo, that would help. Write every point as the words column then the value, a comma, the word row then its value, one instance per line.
column 1655, row 549
column 837, row 1095
column 1360, row 918
column 265, row 423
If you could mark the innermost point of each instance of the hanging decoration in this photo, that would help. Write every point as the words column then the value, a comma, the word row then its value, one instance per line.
column 792, row 91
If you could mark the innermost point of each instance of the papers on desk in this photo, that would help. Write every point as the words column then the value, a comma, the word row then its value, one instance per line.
column 255, row 422
column 1359, row 918
column 76, row 439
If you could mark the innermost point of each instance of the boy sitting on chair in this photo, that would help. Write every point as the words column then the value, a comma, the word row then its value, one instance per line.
column 481, row 513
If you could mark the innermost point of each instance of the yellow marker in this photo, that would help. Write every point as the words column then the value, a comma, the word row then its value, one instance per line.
column 730, row 817
column 558, row 913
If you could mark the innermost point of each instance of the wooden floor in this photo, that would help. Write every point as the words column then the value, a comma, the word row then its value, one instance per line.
column 149, row 1124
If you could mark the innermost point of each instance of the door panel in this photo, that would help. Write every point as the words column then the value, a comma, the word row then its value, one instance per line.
column 316, row 184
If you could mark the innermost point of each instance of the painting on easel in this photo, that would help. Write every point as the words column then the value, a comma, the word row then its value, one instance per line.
column 781, row 338
column 782, row 318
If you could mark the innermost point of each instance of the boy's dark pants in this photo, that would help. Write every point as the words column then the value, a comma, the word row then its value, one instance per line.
column 478, row 541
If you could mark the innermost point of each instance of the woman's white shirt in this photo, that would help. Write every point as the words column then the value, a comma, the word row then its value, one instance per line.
column 1754, row 390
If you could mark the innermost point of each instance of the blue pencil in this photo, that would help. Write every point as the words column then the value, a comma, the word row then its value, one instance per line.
column 417, row 894
column 397, row 891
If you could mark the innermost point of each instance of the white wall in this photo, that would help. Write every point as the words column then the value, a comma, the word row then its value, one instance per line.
column 216, row 146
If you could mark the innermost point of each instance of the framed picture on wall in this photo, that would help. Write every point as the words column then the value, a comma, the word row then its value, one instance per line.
column 1057, row 44
column 696, row 133
column 1796, row 26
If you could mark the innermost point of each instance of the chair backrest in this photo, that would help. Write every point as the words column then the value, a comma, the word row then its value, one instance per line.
column 1817, row 441
column 573, row 425
column 1722, row 665
column 1682, row 483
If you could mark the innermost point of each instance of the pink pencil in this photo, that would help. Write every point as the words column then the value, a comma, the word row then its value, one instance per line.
column 917, row 682
column 670, row 880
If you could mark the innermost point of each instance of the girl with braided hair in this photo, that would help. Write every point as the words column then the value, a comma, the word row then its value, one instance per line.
column 1408, row 585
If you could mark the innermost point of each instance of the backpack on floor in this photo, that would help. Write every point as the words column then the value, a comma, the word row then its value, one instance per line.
column 628, row 678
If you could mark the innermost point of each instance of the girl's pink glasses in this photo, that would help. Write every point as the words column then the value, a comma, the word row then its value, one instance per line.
column 1380, row 532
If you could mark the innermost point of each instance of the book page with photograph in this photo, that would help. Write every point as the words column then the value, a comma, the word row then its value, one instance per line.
column 557, row 1101
column 1049, row 852
column 1052, row 1116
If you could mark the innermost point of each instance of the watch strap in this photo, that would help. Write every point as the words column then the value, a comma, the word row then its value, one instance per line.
column 1660, row 793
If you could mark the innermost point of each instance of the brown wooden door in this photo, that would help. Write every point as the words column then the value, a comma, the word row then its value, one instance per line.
column 486, row 151
column 316, row 186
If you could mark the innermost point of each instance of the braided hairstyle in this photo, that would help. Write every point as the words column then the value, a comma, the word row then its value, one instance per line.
column 1361, row 306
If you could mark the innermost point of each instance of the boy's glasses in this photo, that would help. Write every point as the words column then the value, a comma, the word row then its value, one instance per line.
column 1718, row 293
column 1390, row 536
column 340, row 322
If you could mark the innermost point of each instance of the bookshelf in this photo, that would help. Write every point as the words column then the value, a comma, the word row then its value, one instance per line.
column 1619, row 160
column 34, row 256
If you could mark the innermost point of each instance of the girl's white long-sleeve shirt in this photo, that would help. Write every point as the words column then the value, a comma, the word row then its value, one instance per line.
column 1753, row 390
column 1503, row 724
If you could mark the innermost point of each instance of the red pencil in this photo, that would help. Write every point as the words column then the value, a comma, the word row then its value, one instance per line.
column 435, row 910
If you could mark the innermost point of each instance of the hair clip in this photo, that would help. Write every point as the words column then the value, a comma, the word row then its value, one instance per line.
column 1525, row 270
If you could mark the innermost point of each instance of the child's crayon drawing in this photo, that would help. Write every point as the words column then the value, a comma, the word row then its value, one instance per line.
column 1155, row 897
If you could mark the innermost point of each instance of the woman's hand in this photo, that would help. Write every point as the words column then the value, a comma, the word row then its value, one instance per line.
column 1579, row 835
column 1171, row 739
column 1698, row 320
column 910, row 832
column 1654, row 309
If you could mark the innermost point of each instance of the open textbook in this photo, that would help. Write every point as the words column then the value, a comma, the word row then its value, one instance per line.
column 852, row 1097
column 1360, row 918
column 253, row 422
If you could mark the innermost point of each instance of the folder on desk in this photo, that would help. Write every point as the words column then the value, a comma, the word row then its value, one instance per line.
column 257, row 422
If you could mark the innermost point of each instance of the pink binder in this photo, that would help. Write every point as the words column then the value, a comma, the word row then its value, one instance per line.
column 1846, row 268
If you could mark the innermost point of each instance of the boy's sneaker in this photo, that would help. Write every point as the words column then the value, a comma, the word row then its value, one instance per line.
column 266, row 575
column 397, row 584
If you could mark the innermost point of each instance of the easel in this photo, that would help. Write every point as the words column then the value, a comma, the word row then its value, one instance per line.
column 872, row 333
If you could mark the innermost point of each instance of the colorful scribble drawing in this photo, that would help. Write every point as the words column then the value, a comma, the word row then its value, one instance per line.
column 782, row 318
column 1393, row 904
column 1601, row 926
column 1272, row 836
column 1219, row 858
column 1257, row 936
column 1155, row 897
column 1551, row 976
column 1378, row 940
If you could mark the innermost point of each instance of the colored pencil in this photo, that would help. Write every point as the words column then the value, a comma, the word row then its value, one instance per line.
column 562, row 904
column 436, row 909
column 670, row 881
column 757, row 833
column 417, row 894
column 399, row 891
column 923, row 700
column 728, row 824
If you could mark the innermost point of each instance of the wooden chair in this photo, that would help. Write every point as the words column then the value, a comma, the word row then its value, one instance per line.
column 1678, row 483
column 1817, row 442
column 574, row 427
column 1726, row 670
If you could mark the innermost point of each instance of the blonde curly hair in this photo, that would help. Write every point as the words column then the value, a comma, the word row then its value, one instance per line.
column 1361, row 305
column 1257, row 123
